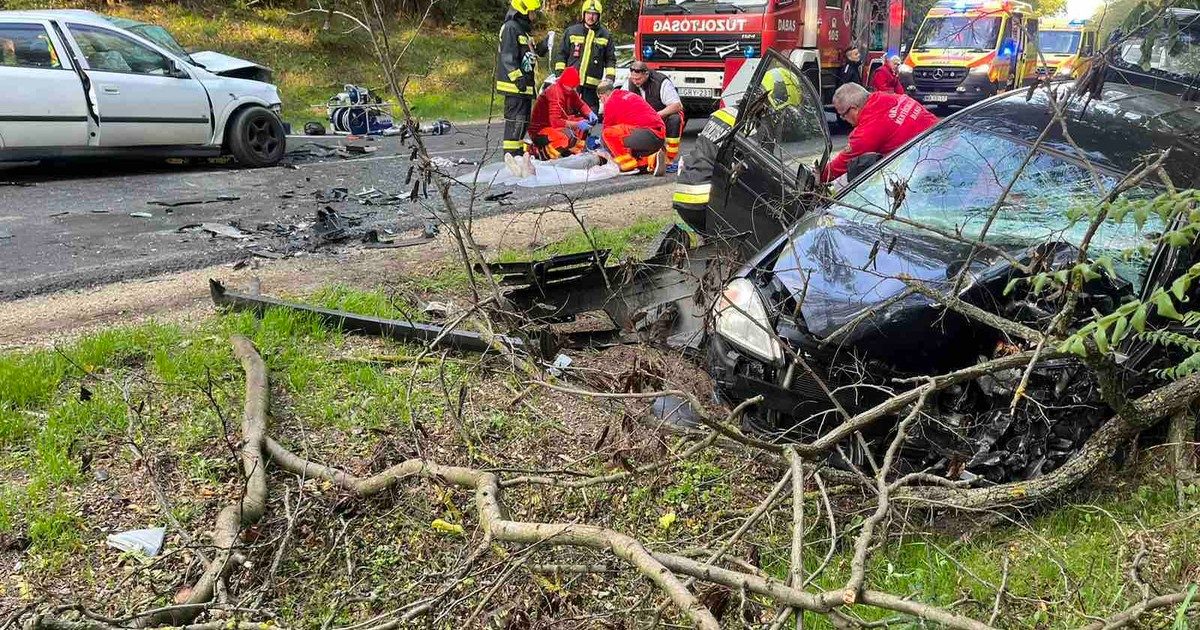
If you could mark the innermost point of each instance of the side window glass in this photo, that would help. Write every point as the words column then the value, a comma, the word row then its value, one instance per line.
column 783, row 119
column 27, row 46
column 107, row 51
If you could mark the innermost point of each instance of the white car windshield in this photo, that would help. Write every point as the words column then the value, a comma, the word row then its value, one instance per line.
column 956, row 173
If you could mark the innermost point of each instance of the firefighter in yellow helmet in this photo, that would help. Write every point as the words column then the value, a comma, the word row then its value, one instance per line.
column 588, row 47
column 782, row 88
column 514, row 71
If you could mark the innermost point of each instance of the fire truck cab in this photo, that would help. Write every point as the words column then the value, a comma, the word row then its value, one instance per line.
column 698, row 43
column 969, row 50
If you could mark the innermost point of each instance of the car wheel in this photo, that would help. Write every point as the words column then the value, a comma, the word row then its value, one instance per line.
column 256, row 138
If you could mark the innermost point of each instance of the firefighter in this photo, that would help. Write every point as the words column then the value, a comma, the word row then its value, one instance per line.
column 882, row 122
column 514, row 72
column 634, row 134
column 660, row 92
column 561, row 120
column 694, row 184
column 589, row 48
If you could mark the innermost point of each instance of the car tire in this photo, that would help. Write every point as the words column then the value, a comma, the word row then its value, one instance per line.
column 256, row 138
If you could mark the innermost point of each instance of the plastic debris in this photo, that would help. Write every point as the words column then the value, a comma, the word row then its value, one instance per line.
column 141, row 215
column 676, row 411
column 146, row 541
column 561, row 362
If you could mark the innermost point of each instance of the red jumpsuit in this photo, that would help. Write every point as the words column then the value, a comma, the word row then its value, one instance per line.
column 885, row 122
column 633, row 131
column 886, row 81
column 553, row 125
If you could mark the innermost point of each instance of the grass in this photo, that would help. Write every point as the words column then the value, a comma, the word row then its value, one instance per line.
column 151, row 383
column 622, row 242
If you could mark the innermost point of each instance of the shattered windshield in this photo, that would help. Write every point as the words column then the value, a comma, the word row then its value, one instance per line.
column 1059, row 42
column 958, row 32
column 955, row 174
column 154, row 33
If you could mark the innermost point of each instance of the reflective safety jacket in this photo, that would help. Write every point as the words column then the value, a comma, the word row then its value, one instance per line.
column 591, row 50
column 694, row 182
column 514, row 64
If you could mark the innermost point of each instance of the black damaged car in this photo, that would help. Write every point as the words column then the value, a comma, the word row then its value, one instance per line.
column 824, row 320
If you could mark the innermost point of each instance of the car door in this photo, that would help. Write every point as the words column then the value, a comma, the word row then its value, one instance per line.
column 768, row 168
column 143, row 96
column 44, row 104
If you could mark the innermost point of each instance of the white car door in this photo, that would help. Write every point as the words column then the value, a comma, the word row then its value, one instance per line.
column 143, row 96
column 44, row 104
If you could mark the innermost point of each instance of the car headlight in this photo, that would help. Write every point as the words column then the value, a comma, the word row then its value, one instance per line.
column 905, row 69
column 1064, row 70
column 982, row 68
column 741, row 317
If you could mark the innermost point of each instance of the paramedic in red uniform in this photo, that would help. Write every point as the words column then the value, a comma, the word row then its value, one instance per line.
column 882, row 122
column 886, row 79
column 633, row 132
column 560, row 121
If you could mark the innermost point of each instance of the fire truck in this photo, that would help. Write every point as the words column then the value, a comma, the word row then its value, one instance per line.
column 698, row 43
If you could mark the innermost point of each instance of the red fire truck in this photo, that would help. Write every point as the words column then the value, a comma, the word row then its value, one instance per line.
column 695, row 42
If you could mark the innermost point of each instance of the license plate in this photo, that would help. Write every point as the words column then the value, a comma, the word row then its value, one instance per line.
column 696, row 92
column 936, row 98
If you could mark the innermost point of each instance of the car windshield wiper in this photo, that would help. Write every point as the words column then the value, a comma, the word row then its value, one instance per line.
column 730, row 8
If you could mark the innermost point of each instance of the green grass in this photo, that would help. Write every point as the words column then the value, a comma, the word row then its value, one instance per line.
column 622, row 242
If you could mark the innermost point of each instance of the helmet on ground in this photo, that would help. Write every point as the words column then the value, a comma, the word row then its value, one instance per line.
column 525, row 7
column 592, row 6
column 782, row 88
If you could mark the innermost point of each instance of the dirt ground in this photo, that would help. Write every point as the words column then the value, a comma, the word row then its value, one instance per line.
column 182, row 297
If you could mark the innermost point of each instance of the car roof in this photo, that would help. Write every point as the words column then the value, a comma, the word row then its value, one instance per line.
column 75, row 15
column 1115, row 131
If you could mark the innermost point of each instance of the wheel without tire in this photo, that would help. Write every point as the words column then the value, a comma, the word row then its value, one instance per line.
column 256, row 138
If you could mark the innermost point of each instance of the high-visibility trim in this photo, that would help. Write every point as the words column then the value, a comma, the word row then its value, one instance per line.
column 690, row 198
column 601, row 41
column 591, row 81
column 511, row 145
column 585, row 61
column 559, row 66
column 724, row 117
column 511, row 88
column 576, row 39
column 610, row 72
column 673, row 141
column 514, row 75
column 523, row 39
column 693, row 189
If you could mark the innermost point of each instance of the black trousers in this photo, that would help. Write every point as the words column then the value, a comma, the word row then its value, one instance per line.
column 643, row 143
column 516, row 119
column 588, row 94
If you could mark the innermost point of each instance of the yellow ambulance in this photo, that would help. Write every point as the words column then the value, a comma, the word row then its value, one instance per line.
column 1065, row 46
column 968, row 50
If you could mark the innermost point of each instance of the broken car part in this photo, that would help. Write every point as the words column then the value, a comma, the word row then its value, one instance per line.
column 398, row 330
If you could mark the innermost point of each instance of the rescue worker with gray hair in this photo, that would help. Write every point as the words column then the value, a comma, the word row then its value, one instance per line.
column 887, row 78
column 588, row 47
column 515, row 64
column 882, row 121
column 660, row 93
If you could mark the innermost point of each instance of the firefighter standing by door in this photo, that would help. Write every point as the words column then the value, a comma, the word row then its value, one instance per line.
column 588, row 47
column 515, row 63
column 660, row 92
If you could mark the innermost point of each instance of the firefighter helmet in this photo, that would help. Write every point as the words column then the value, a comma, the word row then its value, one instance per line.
column 525, row 7
column 592, row 6
column 783, row 88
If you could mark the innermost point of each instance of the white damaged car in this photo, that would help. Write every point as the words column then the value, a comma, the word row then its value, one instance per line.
column 77, row 85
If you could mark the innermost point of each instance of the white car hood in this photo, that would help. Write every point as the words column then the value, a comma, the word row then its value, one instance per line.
column 218, row 63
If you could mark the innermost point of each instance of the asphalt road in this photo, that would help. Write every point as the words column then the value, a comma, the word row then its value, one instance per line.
column 69, row 225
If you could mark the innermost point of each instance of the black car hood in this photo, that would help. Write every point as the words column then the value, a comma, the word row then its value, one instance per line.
column 852, row 266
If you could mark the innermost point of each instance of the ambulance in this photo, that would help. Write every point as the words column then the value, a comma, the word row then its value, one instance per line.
column 1064, row 47
column 966, row 51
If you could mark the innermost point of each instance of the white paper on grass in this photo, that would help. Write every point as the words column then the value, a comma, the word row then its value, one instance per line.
column 575, row 169
column 147, row 541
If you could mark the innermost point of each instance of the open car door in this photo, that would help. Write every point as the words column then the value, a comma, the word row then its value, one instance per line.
column 766, row 170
